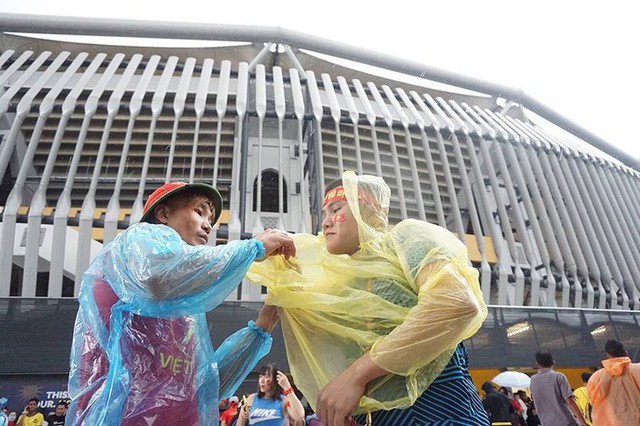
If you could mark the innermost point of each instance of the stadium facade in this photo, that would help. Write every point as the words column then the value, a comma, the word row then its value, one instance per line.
column 549, row 212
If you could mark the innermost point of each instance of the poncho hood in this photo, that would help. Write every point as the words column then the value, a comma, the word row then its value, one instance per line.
column 616, row 366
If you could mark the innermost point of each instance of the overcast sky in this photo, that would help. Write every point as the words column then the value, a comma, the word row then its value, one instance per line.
column 579, row 58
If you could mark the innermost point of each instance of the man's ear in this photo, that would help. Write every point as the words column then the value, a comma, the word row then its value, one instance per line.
column 161, row 213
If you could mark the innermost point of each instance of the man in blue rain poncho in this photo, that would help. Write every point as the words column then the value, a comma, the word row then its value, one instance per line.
column 141, row 351
column 373, row 317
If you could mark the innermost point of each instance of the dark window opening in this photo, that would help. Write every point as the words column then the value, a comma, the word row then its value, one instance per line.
column 269, row 192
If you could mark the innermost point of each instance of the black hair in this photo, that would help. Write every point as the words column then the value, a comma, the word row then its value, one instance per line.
column 487, row 387
column 545, row 359
column 586, row 376
column 186, row 197
column 333, row 184
column 271, row 370
column 614, row 348
column 34, row 399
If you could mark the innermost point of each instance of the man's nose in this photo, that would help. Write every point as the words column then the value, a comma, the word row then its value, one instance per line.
column 326, row 223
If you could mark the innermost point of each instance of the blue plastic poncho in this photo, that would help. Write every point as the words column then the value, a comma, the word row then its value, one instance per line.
column 4, row 420
column 141, row 350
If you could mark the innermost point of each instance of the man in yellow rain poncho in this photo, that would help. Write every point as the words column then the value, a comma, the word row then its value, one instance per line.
column 373, row 318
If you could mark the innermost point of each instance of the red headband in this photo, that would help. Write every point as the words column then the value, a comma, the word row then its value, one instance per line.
column 335, row 194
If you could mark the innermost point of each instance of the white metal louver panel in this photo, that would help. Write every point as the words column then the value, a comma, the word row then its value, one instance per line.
column 622, row 251
column 445, row 123
column 388, row 119
column 465, row 123
column 23, row 106
column 318, row 158
column 614, row 252
column 32, row 256
column 135, row 106
column 577, row 203
column 371, row 118
column 15, row 66
column 261, row 109
column 200, row 107
column 334, row 107
column 429, row 122
column 354, row 116
column 629, row 209
column 221, row 110
column 581, row 233
column 299, row 109
column 64, row 201
column 39, row 199
column 157, row 103
column 538, row 295
column 404, row 120
column 531, row 257
column 235, row 225
column 622, row 215
column 9, row 215
column 178, row 110
column 89, row 205
column 280, row 108
column 507, row 293
column 483, row 193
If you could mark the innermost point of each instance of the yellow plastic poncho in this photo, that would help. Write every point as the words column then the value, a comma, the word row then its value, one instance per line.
column 409, row 295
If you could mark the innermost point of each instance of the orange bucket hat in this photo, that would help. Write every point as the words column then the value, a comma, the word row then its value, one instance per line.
column 172, row 188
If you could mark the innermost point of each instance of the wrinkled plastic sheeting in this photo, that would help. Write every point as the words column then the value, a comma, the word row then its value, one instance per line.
column 409, row 296
column 141, row 350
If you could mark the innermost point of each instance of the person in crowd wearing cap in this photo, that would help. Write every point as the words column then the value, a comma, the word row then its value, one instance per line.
column 230, row 413
column 141, row 351
column 374, row 317
column 614, row 391
column 275, row 403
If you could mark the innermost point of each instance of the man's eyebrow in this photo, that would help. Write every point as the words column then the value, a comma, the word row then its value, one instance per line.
column 332, row 203
column 205, row 206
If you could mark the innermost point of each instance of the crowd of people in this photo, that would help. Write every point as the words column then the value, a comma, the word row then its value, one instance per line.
column 31, row 415
column 608, row 397
column 373, row 316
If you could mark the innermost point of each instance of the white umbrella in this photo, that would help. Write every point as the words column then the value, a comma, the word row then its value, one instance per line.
column 512, row 379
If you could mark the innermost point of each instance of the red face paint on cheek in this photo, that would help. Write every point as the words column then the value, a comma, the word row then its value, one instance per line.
column 339, row 217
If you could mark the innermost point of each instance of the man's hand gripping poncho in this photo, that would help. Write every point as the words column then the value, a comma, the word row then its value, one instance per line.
column 409, row 295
